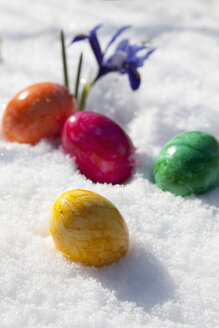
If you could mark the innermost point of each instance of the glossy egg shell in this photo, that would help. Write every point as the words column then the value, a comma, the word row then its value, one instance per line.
column 103, row 151
column 36, row 112
column 87, row 228
column 188, row 164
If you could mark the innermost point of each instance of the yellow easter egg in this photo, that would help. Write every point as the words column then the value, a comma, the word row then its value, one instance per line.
column 87, row 228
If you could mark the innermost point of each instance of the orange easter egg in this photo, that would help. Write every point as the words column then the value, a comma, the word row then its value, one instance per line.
column 37, row 112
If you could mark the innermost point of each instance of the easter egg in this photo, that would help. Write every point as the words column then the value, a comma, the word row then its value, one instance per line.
column 36, row 112
column 87, row 228
column 102, row 150
column 188, row 164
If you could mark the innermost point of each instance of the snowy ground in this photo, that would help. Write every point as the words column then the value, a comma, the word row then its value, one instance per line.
column 169, row 278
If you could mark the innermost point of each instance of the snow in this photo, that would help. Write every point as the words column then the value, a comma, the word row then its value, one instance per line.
column 169, row 277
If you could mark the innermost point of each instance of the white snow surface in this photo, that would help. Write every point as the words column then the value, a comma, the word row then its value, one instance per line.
column 170, row 275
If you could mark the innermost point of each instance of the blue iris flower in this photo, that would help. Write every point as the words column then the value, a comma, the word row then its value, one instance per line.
column 125, row 59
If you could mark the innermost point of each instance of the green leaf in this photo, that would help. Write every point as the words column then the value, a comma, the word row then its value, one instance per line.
column 78, row 75
column 64, row 59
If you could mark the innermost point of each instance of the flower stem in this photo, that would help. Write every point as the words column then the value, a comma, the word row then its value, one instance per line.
column 84, row 95
column 78, row 76
column 64, row 59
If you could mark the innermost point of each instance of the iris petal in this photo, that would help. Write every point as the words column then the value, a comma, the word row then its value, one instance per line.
column 134, row 78
column 123, row 45
column 95, row 28
column 95, row 44
column 116, row 35
column 138, row 48
column 80, row 37
column 149, row 53
column 138, row 61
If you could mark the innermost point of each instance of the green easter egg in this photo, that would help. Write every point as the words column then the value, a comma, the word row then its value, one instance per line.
column 188, row 164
